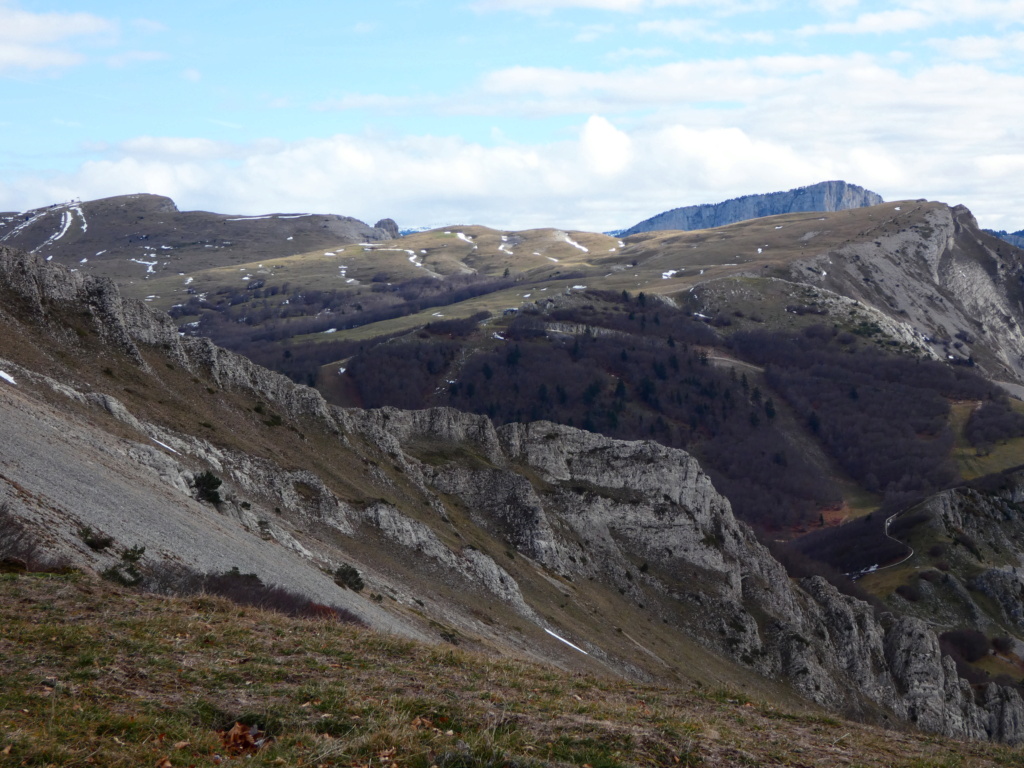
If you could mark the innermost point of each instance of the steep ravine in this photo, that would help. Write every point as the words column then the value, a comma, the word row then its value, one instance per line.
column 456, row 522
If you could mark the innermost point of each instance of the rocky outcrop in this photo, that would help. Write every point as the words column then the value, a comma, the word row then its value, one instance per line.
column 825, row 196
column 387, row 226
column 937, row 274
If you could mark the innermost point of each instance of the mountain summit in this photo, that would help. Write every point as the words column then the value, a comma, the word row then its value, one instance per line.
column 825, row 196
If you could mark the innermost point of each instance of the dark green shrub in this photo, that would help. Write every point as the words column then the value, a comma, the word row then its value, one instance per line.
column 207, row 485
column 126, row 573
column 95, row 540
column 348, row 577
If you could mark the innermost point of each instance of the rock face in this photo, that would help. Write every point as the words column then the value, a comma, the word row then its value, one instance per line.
column 388, row 226
column 825, row 196
column 950, row 284
column 460, row 524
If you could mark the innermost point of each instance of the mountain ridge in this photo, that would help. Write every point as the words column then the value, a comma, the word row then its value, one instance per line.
column 825, row 196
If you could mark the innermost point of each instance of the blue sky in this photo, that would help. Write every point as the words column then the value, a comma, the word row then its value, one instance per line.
column 587, row 114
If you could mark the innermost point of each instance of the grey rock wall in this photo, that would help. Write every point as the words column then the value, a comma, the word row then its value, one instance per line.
column 825, row 196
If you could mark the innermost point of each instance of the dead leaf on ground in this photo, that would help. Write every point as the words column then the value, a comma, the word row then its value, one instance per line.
column 164, row 762
column 244, row 739
column 182, row 744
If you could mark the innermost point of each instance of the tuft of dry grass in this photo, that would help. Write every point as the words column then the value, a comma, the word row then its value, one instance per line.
column 98, row 675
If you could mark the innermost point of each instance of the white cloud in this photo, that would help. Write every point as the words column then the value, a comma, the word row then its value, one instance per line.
column 134, row 57
column 592, row 32
column 637, row 53
column 606, row 150
column 41, row 40
column 980, row 48
column 891, row 21
column 911, row 15
column 703, row 29
column 923, row 136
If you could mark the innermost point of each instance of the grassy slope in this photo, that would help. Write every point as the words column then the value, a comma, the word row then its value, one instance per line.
column 95, row 675
column 544, row 256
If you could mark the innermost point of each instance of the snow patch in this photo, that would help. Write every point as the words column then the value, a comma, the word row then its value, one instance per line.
column 571, row 645
column 85, row 225
column 8, row 378
column 670, row 273
column 148, row 264
column 573, row 243
column 164, row 445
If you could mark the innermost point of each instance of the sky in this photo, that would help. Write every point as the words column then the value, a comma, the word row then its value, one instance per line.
column 578, row 114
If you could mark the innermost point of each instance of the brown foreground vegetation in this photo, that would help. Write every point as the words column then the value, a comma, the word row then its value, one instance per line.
column 95, row 674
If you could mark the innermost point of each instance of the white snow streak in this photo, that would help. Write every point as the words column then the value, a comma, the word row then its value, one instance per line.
column 85, row 225
column 571, row 645
column 164, row 445
column 8, row 378
column 23, row 224
column 574, row 244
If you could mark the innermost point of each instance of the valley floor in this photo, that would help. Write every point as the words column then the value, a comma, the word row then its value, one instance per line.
column 98, row 675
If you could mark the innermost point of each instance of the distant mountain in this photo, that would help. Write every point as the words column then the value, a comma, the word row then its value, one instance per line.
column 139, row 237
column 826, row 196
column 1013, row 238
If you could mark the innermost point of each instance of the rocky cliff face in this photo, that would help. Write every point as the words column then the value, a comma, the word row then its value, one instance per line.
column 826, row 196
column 499, row 536
column 952, row 286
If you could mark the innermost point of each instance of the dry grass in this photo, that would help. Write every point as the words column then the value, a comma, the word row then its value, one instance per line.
column 95, row 675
